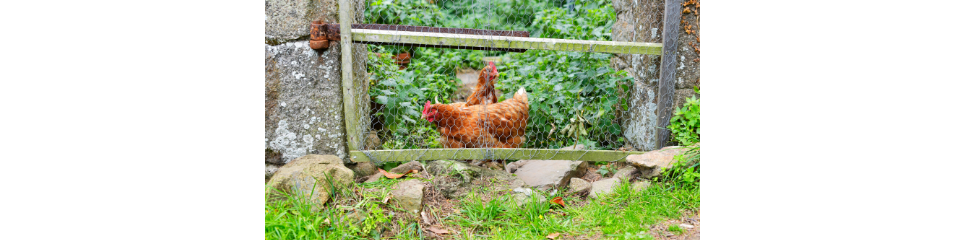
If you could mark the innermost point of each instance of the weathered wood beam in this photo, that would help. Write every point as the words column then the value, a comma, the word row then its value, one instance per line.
column 348, row 87
column 322, row 33
column 405, row 155
column 665, row 92
column 502, row 43
column 332, row 30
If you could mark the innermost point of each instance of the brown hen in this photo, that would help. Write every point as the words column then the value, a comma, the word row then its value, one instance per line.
column 497, row 125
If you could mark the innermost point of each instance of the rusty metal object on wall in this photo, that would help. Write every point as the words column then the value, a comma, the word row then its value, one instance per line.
column 317, row 35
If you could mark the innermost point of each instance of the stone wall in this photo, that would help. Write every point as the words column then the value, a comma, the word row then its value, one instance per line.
column 642, row 21
column 303, row 87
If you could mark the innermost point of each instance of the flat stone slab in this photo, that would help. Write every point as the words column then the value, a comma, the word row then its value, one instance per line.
column 651, row 163
column 603, row 187
column 545, row 174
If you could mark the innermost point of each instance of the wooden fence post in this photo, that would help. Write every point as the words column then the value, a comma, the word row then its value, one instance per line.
column 348, row 87
column 665, row 98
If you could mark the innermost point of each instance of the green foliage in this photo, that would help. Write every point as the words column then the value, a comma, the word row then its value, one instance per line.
column 291, row 218
column 685, row 126
column 515, row 15
column 479, row 214
column 676, row 229
column 686, row 170
column 375, row 219
column 404, row 12
column 574, row 97
column 626, row 213
column 561, row 86
column 591, row 20
column 401, row 94
column 604, row 170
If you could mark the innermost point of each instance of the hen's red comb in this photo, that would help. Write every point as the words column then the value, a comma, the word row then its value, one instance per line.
column 492, row 67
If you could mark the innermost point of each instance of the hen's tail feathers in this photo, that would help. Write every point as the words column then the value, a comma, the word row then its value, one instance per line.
column 521, row 95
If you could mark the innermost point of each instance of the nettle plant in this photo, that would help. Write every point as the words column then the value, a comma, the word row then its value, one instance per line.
column 399, row 94
column 574, row 98
column 404, row 12
column 590, row 20
column 507, row 14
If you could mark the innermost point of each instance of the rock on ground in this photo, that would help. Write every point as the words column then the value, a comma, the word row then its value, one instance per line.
column 546, row 174
column 408, row 195
column 603, row 187
column 578, row 185
column 270, row 170
column 405, row 167
column 513, row 166
column 315, row 174
column 523, row 196
column 628, row 172
column 363, row 168
column 651, row 163
column 375, row 177
column 454, row 178
column 459, row 169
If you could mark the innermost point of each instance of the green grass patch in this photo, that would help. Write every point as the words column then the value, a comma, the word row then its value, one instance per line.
column 359, row 214
column 625, row 214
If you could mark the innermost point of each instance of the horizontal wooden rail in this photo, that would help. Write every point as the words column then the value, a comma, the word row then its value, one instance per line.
column 405, row 155
column 332, row 30
column 504, row 43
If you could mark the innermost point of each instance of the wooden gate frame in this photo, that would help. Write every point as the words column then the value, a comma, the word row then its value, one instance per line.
column 667, row 50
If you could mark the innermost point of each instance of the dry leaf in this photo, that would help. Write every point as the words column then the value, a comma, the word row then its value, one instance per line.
column 553, row 235
column 393, row 175
column 438, row 231
column 425, row 219
column 386, row 200
column 558, row 200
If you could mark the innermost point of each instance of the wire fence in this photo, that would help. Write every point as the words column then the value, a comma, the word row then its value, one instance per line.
column 485, row 98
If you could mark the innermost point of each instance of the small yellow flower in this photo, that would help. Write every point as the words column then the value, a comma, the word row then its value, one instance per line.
column 541, row 216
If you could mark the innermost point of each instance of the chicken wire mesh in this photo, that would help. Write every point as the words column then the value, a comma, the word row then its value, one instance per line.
column 434, row 98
